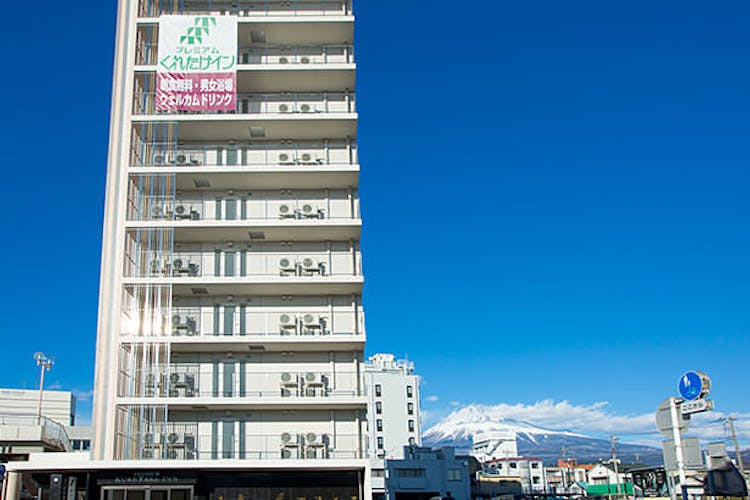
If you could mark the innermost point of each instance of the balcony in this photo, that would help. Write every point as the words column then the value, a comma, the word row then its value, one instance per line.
column 267, row 268
column 250, row 383
column 283, row 56
column 303, row 206
column 227, row 440
column 293, row 155
column 31, row 432
column 239, row 321
column 244, row 8
column 262, row 260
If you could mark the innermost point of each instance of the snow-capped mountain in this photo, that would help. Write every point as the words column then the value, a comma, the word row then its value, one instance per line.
column 460, row 427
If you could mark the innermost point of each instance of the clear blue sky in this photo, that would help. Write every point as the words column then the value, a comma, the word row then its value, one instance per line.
column 556, row 194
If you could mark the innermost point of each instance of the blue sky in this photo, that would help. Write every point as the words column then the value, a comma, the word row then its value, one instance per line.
column 555, row 196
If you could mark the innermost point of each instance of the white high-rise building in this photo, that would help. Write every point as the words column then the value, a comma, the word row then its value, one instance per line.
column 393, row 412
column 231, row 331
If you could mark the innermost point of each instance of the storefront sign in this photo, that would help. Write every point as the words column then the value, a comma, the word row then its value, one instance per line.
column 197, row 63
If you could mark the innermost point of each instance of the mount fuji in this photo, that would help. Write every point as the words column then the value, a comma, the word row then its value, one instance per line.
column 460, row 427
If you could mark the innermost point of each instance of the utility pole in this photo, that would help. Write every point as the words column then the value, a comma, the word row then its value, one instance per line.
column 45, row 365
column 677, row 436
column 737, row 448
column 612, row 441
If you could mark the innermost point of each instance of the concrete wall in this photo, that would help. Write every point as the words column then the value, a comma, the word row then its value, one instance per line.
column 59, row 406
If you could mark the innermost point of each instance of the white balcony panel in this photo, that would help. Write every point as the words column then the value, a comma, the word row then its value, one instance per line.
column 220, row 127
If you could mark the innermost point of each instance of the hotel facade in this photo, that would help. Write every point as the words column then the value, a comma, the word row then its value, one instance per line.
column 231, row 331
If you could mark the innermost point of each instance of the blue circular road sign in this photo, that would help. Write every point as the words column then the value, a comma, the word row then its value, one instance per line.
column 2, row 470
column 694, row 385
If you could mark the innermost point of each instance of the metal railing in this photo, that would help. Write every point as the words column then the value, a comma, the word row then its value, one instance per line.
column 209, row 324
column 160, row 208
column 187, row 264
column 292, row 154
column 183, row 380
column 295, row 54
column 291, row 104
column 50, row 431
column 185, row 442
column 244, row 8
column 146, row 54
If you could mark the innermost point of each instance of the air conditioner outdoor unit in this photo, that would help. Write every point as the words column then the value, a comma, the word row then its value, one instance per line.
column 311, row 212
column 307, row 159
column 160, row 158
column 289, row 380
column 306, row 108
column 181, row 267
column 158, row 211
column 311, row 266
column 284, row 108
column 311, row 321
column 283, row 60
column 305, row 60
column 290, row 445
column 182, row 212
column 287, row 266
column 286, row 159
column 287, row 321
column 184, row 325
column 287, row 212
column 314, row 379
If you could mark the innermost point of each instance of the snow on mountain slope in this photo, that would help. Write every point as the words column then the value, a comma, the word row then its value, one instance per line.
column 460, row 427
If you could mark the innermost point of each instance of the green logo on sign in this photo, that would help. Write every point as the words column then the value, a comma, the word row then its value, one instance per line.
column 195, row 33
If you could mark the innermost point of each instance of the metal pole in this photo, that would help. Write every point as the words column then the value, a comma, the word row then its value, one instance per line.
column 41, row 392
column 737, row 450
column 673, row 407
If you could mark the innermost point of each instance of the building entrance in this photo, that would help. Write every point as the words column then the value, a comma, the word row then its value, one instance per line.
column 147, row 493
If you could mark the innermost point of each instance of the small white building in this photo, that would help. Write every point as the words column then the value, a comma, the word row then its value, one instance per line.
column 59, row 406
column 604, row 473
column 528, row 471
column 393, row 414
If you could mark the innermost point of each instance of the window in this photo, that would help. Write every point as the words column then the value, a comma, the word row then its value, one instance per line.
column 86, row 444
column 409, row 472
column 535, row 465
column 378, row 407
column 409, row 391
column 379, row 425
column 378, row 390
column 454, row 474
column 513, row 465
column 535, row 479
column 380, row 443
column 499, row 466
column 378, row 473
column 411, row 425
column 410, row 408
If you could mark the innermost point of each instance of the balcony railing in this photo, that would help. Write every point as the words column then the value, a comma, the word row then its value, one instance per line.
column 289, row 104
column 284, row 55
column 192, row 209
column 48, row 430
column 230, row 440
column 238, row 320
column 233, row 264
column 196, row 381
column 297, row 154
column 296, row 54
column 244, row 8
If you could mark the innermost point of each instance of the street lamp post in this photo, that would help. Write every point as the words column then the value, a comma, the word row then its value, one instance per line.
column 613, row 440
column 45, row 365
